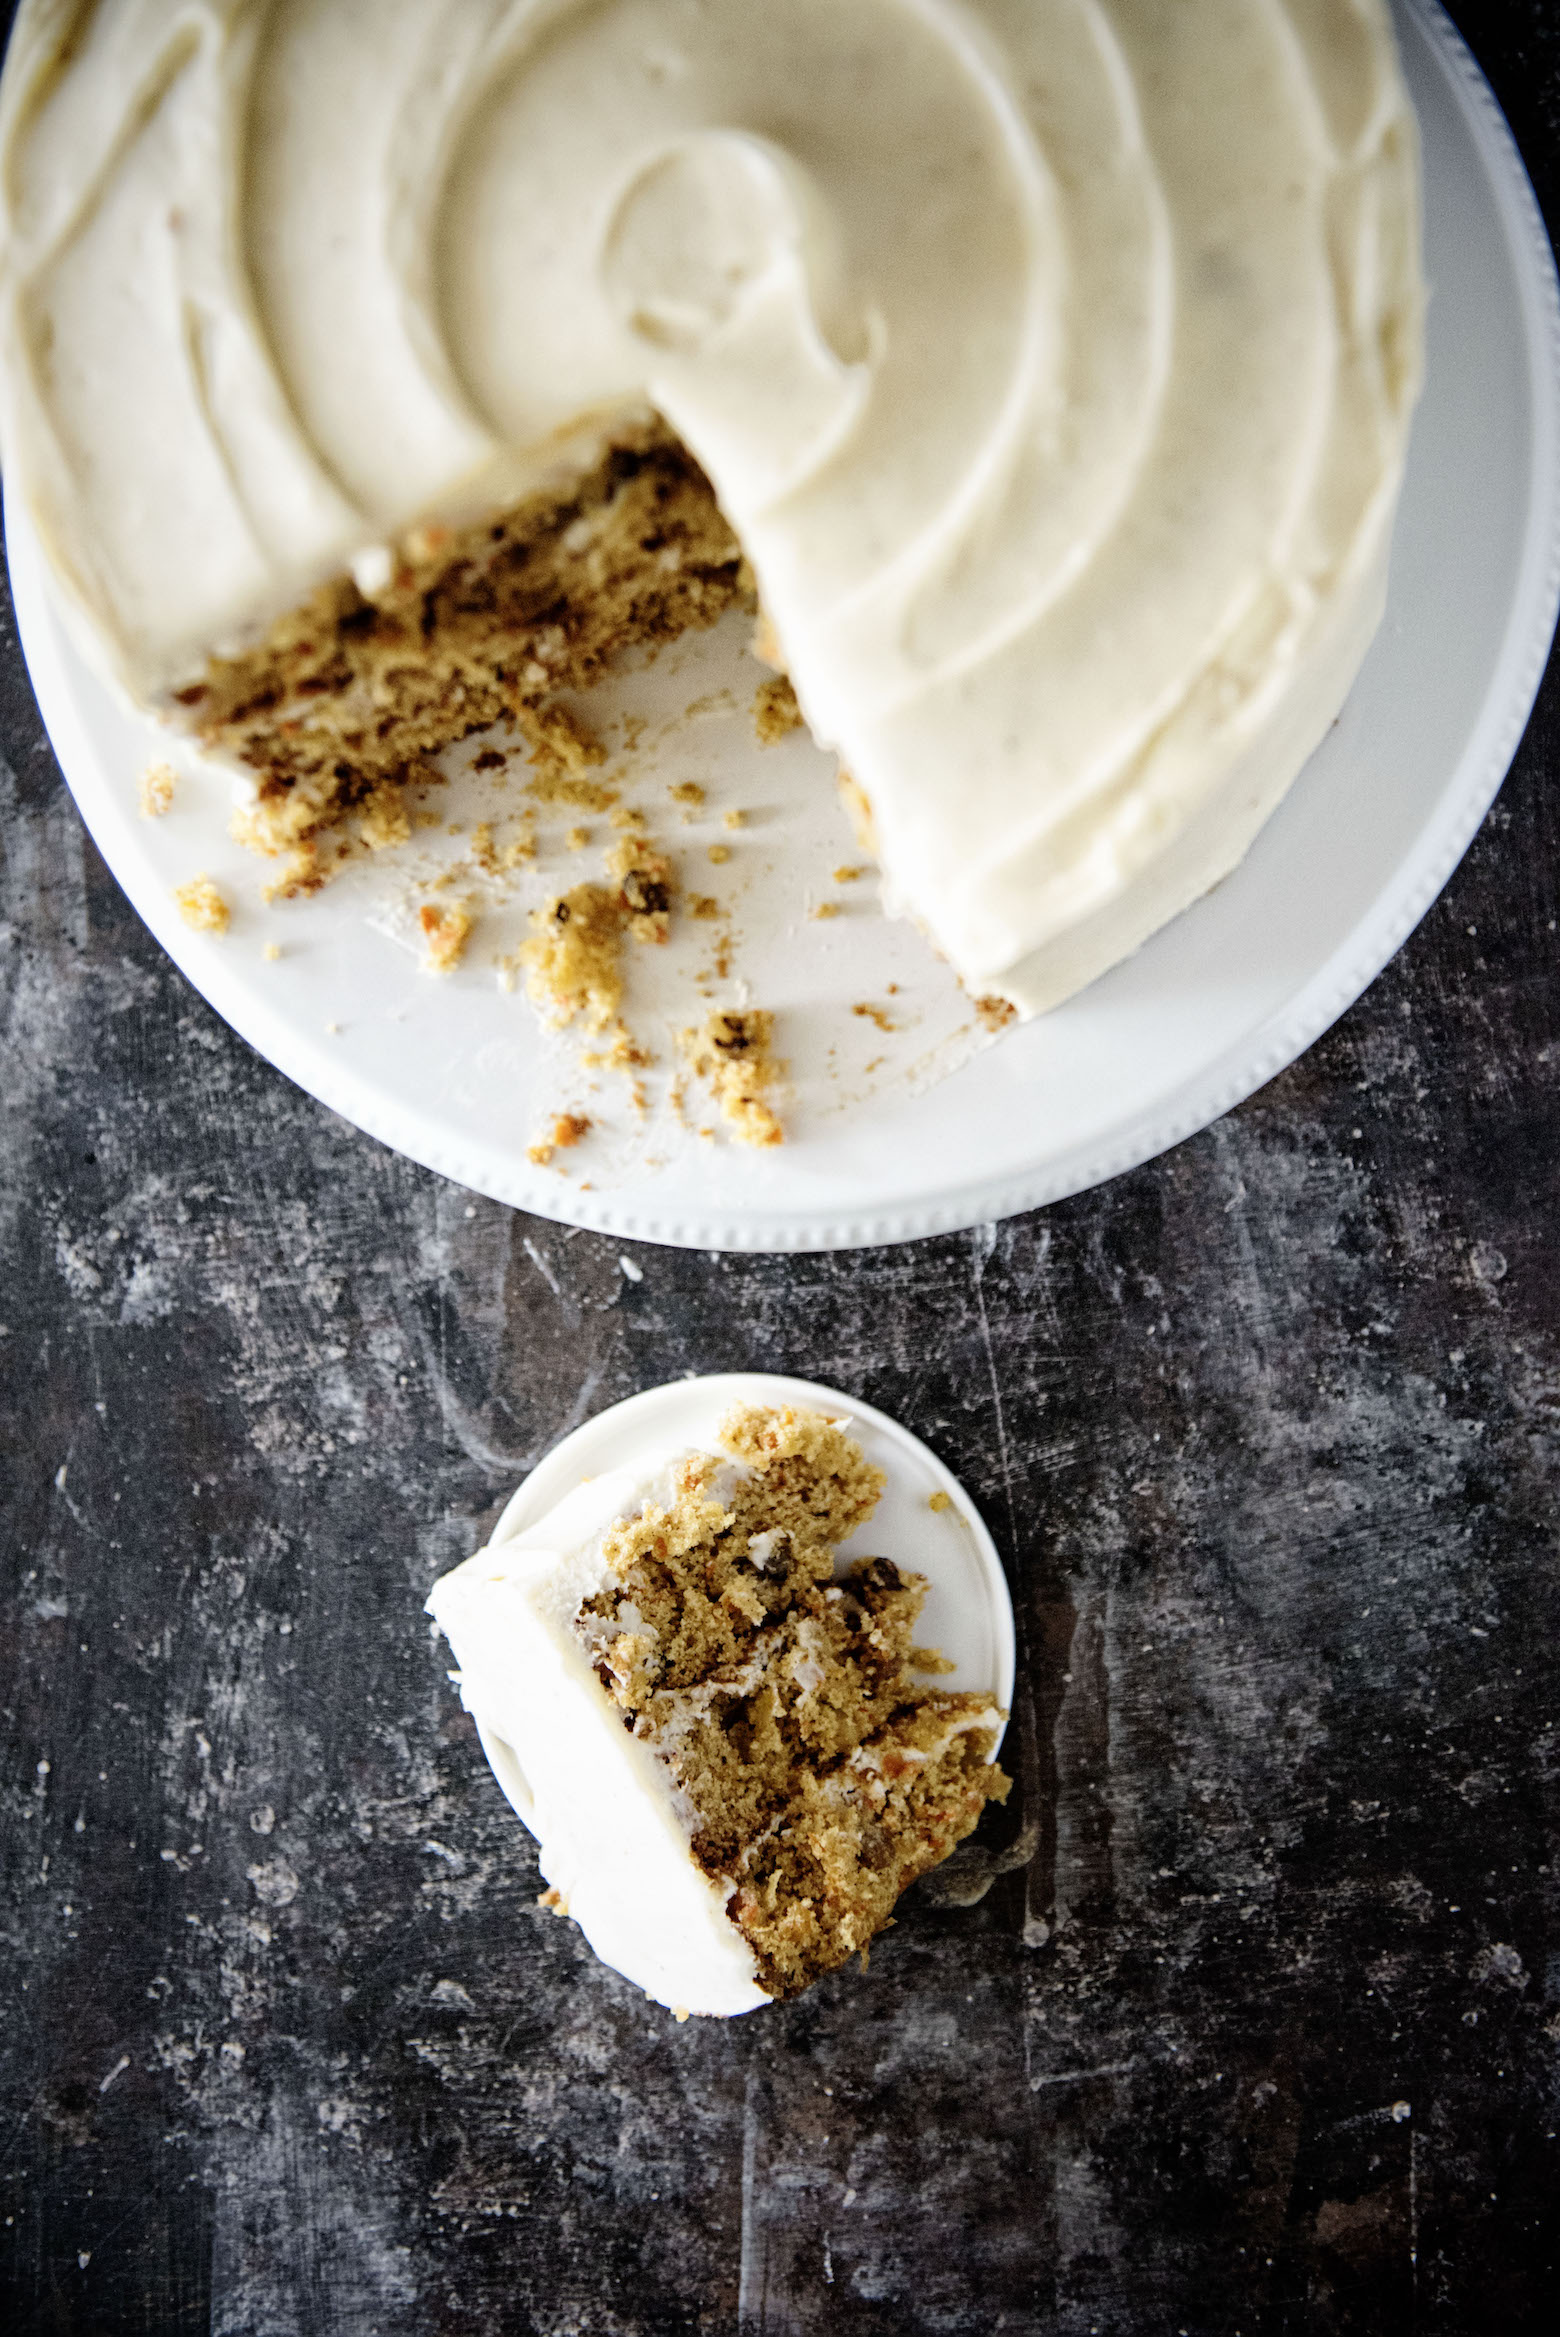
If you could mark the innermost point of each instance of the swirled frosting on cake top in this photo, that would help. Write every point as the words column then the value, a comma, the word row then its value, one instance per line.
column 1053, row 360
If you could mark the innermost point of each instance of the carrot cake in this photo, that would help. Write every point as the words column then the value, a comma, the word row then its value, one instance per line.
column 732, row 1755
column 375, row 374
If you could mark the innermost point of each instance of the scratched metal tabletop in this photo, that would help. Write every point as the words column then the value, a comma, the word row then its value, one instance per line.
column 1257, row 2026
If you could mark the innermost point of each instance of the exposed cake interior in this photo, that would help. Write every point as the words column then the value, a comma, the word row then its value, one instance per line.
column 819, row 1774
column 346, row 698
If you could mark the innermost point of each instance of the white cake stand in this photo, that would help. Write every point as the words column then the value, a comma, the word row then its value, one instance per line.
column 453, row 1073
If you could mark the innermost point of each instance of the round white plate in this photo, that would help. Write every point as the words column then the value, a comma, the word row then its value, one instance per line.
column 454, row 1074
column 968, row 1613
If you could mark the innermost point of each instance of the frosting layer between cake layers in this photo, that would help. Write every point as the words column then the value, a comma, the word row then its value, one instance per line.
column 613, row 1837
column 1053, row 359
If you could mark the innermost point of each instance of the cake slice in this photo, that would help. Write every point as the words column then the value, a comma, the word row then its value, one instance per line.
column 733, row 1758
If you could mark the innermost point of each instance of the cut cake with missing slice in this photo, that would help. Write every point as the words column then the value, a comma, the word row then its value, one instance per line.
column 725, row 1751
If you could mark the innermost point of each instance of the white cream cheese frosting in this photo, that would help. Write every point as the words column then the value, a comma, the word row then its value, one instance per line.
column 1053, row 359
column 613, row 1833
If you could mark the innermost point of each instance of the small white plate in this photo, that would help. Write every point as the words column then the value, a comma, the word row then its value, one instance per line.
column 968, row 1613
column 454, row 1073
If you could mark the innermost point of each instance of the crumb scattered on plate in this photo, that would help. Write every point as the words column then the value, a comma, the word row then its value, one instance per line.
column 202, row 907
column 731, row 1050
column 566, row 1131
column 775, row 711
column 571, row 957
column 445, row 931
column 158, row 781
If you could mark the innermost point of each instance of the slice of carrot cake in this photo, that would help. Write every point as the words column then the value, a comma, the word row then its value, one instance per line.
column 729, row 1752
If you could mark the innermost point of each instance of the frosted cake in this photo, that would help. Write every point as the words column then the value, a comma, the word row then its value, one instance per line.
column 734, row 1761
column 374, row 373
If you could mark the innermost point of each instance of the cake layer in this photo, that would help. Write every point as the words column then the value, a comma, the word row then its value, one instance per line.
column 1053, row 361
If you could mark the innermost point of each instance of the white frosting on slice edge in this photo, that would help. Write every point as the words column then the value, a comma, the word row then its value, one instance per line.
column 604, row 1809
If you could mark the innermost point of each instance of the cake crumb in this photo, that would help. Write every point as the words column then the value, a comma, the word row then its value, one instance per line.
column 577, row 839
column 939, row 1501
column 202, row 906
column 732, row 1051
column 647, row 888
column 564, row 787
column 573, row 949
column 687, row 791
column 571, row 957
column 995, row 1013
column 720, row 853
column 735, row 819
column 624, row 1054
column 445, row 932
column 566, row 1131
column 680, row 2012
column 876, row 1014
column 703, row 905
column 271, row 951
column 158, row 781
column 931, row 1659
column 775, row 711
column 827, row 909
column 848, row 875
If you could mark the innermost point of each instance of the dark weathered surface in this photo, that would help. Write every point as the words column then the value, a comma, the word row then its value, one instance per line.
column 1263, row 2037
